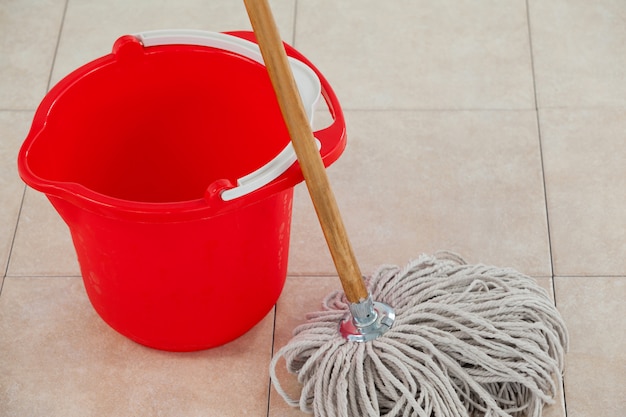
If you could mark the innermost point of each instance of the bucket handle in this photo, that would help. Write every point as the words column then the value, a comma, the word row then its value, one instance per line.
column 264, row 175
column 287, row 157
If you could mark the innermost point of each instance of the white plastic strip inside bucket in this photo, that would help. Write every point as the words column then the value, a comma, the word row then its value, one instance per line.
column 307, row 81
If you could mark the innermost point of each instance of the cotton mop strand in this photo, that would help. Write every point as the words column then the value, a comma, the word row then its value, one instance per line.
column 442, row 339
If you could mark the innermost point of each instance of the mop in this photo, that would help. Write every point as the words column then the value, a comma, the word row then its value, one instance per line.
column 436, row 338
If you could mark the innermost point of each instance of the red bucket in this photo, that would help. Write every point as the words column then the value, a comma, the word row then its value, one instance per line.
column 171, row 164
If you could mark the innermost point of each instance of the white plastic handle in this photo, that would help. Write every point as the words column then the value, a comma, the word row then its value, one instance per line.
column 202, row 38
column 307, row 81
column 265, row 174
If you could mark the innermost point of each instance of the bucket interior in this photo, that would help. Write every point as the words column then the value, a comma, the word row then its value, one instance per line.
column 162, row 126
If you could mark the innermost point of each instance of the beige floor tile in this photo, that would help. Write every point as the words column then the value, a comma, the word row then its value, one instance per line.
column 29, row 31
column 43, row 244
column 594, row 310
column 414, row 182
column 91, row 27
column 415, row 54
column 60, row 359
column 578, row 52
column 585, row 167
column 13, row 129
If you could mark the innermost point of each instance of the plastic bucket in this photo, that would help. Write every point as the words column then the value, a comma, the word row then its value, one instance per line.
column 170, row 163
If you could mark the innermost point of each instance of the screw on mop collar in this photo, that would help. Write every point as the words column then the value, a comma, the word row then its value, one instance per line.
column 368, row 321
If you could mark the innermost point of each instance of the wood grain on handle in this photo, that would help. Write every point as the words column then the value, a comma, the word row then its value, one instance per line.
column 303, row 141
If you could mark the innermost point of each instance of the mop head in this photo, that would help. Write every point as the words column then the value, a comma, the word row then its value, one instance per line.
column 468, row 340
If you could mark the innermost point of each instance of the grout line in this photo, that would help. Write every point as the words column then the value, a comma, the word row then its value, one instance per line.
column 431, row 109
column 269, row 385
column 566, row 276
column 37, row 276
column 541, row 276
column 545, row 199
column 543, row 176
column 575, row 108
column 10, row 254
column 56, row 48
column 482, row 109
column 532, row 58
column 293, row 29
column 18, row 110
column 539, row 136
column 311, row 274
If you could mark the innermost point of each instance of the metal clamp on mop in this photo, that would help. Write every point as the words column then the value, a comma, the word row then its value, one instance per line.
column 368, row 320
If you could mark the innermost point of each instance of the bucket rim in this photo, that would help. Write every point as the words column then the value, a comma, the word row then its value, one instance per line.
column 332, row 138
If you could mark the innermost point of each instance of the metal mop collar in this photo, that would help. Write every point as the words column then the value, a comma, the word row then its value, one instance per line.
column 467, row 340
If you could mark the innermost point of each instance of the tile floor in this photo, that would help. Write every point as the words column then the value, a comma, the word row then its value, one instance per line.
column 496, row 129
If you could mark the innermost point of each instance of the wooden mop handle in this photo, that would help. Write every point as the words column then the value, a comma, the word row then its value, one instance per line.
column 303, row 141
